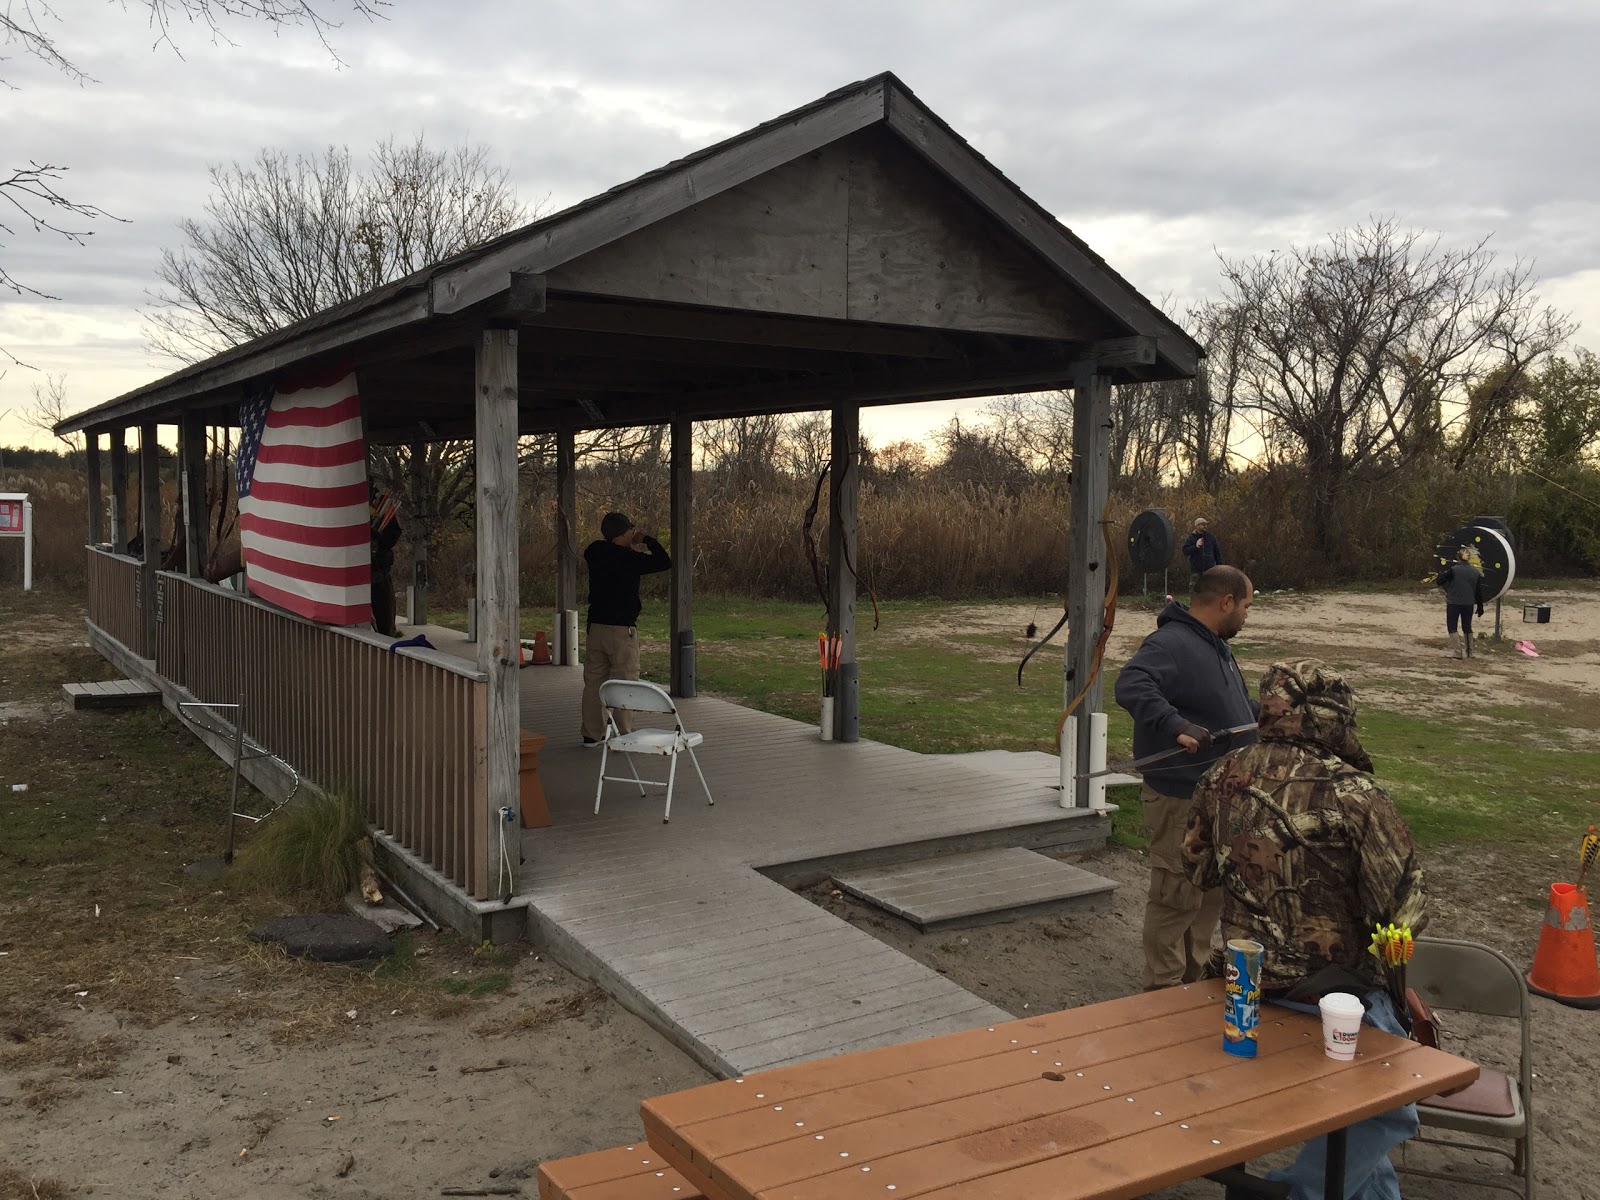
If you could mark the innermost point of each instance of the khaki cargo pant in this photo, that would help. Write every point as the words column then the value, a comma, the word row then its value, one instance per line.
column 609, row 652
column 1181, row 922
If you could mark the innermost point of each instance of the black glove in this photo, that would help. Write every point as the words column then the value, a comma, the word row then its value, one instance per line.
column 1199, row 733
column 1480, row 610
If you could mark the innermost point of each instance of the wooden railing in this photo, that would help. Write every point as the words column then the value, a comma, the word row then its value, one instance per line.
column 115, row 600
column 404, row 732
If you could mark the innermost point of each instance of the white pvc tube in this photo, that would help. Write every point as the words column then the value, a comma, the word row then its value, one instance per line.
column 569, row 642
column 1097, row 759
column 827, row 719
column 1069, row 762
column 27, row 545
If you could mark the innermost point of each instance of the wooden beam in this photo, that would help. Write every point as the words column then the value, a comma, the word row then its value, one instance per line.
column 696, row 324
column 622, row 347
column 499, row 605
column 681, row 644
column 119, row 491
column 843, row 488
column 1038, row 229
column 567, row 539
column 150, row 531
column 266, row 355
column 422, row 518
column 659, row 194
column 96, row 498
column 192, row 492
column 1088, row 566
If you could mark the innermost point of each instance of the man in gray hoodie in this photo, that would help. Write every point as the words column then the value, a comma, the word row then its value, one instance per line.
column 1181, row 686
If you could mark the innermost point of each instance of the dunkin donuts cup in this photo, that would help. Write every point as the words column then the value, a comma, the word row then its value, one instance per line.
column 1341, row 1024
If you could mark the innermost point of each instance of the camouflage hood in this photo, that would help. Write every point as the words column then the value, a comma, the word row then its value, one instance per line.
column 1308, row 702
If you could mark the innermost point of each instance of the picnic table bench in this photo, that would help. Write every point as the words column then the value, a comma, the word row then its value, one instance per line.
column 1105, row 1102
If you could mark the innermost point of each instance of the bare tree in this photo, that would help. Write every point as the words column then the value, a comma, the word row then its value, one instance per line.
column 805, row 444
column 1347, row 351
column 49, row 409
column 31, row 194
column 286, row 237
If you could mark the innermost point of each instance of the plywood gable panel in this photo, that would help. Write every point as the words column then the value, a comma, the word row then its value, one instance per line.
column 859, row 230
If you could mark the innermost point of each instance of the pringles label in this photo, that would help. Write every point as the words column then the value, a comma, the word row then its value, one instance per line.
column 1241, row 997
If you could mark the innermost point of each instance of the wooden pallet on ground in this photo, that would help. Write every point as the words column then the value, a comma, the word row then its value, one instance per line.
column 111, row 693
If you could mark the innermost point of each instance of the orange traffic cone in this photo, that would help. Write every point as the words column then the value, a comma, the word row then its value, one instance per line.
column 1564, row 965
column 541, row 649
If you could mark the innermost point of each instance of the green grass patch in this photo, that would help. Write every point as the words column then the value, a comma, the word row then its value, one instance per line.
column 475, row 987
column 307, row 848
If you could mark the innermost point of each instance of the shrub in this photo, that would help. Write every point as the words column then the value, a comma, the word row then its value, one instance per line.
column 306, row 849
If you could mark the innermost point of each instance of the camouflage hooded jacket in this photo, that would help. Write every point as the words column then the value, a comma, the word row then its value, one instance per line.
column 1309, row 850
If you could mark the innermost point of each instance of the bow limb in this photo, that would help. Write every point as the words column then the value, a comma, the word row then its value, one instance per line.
column 1040, row 645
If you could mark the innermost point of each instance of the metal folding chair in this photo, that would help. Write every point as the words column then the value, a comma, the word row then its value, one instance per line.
column 638, row 696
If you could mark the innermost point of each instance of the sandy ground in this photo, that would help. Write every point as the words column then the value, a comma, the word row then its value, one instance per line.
column 404, row 1105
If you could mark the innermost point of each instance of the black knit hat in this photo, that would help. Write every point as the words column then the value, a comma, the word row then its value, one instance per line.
column 614, row 525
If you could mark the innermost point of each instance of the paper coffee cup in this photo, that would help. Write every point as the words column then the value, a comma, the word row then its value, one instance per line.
column 1341, row 1024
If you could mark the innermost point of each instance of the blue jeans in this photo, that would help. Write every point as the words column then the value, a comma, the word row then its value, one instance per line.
column 1369, row 1175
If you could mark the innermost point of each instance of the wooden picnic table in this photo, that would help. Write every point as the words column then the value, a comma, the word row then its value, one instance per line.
column 1106, row 1101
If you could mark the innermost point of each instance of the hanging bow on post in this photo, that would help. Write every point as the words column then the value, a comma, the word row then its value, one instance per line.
column 1108, row 621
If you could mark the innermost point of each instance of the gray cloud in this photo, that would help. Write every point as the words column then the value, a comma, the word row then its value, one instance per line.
column 1171, row 126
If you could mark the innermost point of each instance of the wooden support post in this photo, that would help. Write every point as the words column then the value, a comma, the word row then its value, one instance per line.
column 499, row 617
column 1086, row 580
column 119, row 491
column 150, row 531
column 843, row 487
column 419, row 529
column 91, row 461
column 567, row 540
column 192, row 492
column 682, row 535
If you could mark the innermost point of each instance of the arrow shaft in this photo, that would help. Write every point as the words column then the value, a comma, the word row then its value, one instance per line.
column 1138, row 764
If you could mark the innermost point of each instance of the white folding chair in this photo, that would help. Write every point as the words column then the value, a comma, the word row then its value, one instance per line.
column 638, row 696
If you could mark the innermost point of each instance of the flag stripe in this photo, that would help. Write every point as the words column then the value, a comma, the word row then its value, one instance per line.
column 313, row 413
column 344, row 495
column 328, row 612
column 305, row 535
column 315, row 556
column 299, row 454
column 334, row 576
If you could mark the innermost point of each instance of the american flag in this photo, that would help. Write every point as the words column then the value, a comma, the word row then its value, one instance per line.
column 303, row 516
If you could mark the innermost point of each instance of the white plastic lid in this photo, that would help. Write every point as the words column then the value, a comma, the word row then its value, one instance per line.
column 1342, row 1004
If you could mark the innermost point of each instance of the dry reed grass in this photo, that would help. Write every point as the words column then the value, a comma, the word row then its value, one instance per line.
column 15, row 1185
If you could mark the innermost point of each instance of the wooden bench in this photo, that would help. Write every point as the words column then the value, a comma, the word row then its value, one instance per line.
column 627, row 1173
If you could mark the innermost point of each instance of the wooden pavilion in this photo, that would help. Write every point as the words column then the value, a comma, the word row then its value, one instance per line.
column 855, row 251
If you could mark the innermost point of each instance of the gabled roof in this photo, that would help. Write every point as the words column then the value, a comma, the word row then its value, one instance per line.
column 482, row 273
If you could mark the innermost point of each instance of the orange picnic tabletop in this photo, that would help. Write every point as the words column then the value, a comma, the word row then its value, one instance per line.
column 1105, row 1101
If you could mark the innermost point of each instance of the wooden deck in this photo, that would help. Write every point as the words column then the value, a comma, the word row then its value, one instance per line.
column 112, row 693
column 691, row 924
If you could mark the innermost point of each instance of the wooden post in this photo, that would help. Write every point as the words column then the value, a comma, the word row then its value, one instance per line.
column 91, row 460
column 843, row 487
column 422, row 527
column 566, row 537
column 1086, row 581
column 682, row 534
column 499, row 624
column 150, row 531
column 192, row 492
column 119, row 490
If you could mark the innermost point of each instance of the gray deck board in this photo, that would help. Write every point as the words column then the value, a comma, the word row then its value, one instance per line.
column 679, row 922
column 111, row 693
column 982, row 884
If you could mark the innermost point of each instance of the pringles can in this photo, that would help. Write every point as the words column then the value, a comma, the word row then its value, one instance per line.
column 1241, row 997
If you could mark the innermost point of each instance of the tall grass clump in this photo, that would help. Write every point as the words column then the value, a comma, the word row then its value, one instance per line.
column 306, row 850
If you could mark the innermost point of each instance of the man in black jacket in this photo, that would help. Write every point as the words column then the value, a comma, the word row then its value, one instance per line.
column 1202, row 550
column 611, row 651
column 1180, row 686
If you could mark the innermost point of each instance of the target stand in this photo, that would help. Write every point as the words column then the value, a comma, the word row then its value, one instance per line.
column 1489, row 540
column 1150, row 543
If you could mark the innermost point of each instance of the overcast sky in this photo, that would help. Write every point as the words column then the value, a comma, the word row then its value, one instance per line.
column 1161, row 131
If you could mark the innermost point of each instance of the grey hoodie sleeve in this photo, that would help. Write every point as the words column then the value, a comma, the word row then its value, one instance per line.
column 1141, row 689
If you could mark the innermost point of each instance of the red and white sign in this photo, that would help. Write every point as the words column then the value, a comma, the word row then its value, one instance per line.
column 16, row 520
column 12, row 517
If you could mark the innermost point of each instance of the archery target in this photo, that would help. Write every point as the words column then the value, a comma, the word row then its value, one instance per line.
column 1492, row 551
column 1150, row 540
